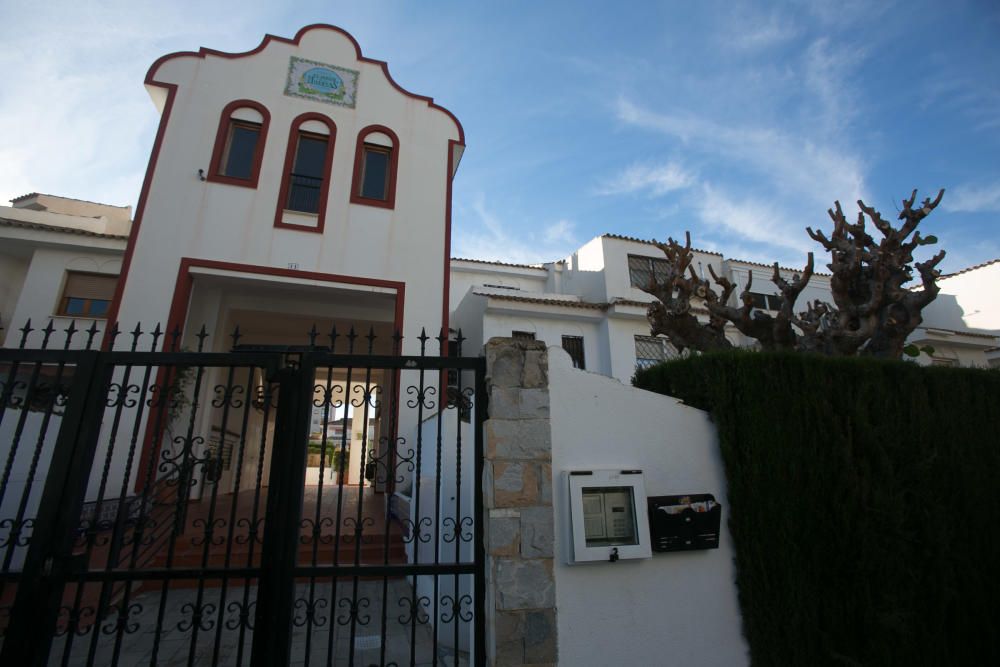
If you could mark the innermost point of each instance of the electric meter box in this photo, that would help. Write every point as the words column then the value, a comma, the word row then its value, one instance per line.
column 608, row 516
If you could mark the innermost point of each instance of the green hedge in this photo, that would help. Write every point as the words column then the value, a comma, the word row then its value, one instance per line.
column 864, row 504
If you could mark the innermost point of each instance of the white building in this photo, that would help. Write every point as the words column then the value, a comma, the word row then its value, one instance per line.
column 293, row 184
column 587, row 303
column 298, row 184
column 962, row 324
column 59, row 261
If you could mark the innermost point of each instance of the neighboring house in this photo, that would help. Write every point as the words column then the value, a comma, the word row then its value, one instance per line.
column 962, row 324
column 587, row 303
column 590, row 303
column 60, row 260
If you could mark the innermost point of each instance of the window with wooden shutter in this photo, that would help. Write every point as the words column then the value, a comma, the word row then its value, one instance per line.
column 87, row 294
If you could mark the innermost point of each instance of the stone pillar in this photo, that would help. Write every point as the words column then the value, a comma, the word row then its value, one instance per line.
column 519, row 526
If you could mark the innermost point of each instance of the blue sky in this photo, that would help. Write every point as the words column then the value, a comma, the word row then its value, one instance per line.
column 741, row 122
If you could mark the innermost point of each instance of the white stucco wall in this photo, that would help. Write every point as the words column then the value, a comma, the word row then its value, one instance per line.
column 616, row 252
column 13, row 270
column 672, row 609
column 968, row 300
column 188, row 217
column 621, row 336
column 466, row 274
column 583, row 272
column 38, row 298
column 550, row 326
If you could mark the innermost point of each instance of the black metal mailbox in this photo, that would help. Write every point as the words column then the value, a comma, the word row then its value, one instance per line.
column 684, row 522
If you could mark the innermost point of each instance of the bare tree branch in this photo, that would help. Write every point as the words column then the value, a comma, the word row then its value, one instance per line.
column 873, row 310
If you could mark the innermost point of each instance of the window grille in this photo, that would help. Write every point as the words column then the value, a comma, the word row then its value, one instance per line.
column 641, row 269
column 306, row 178
column 574, row 346
column 651, row 350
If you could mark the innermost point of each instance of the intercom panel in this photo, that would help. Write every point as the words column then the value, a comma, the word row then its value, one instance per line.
column 608, row 515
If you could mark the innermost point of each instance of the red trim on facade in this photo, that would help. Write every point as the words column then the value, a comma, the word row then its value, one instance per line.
column 215, row 166
column 203, row 51
column 182, row 289
column 324, row 193
column 171, row 93
column 450, row 178
column 140, row 207
column 359, row 154
column 182, row 300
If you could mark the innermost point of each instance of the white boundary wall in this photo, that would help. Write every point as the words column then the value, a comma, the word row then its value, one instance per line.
column 676, row 608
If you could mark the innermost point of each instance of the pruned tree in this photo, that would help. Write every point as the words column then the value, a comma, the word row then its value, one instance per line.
column 672, row 315
column 872, row 314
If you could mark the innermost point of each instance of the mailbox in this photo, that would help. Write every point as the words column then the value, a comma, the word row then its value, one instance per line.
column 607, row 515
column 684, row 523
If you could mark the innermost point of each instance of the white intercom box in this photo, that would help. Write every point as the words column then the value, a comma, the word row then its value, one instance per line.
column 607, row 516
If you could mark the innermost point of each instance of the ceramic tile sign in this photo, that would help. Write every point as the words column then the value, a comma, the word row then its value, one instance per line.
column 321, row 82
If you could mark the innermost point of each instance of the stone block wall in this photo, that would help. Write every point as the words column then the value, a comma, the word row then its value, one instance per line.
column 519, row 524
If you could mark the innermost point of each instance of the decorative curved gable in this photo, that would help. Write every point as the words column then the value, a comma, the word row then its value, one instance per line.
column 159, row 80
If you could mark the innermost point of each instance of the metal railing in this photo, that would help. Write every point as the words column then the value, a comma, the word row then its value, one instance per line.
column 118, row 547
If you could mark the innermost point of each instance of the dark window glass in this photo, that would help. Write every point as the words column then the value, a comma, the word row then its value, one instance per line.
column 240, row 148
column 99, row 307
column 306, row 179
column 642, row 269
column 522, row 335
column 765, row 301
column 574, row 346
column 75, row 306
column 375, row 172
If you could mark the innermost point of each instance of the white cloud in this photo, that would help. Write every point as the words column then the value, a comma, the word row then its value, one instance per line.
column 793, row 166
column 750, row 32
column 751, row 219
column 74, row 115
column 489, row 239
column 791, row 179
column 827, row 68
column 964, row 94
column 973, row 199
column 560, row 231
column 657, row 180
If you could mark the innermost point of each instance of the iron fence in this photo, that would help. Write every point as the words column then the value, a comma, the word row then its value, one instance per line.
column 158, row 505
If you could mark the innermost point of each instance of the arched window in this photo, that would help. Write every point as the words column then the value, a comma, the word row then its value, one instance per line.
column 375, row 161
column 239, row 144
column 305, row 181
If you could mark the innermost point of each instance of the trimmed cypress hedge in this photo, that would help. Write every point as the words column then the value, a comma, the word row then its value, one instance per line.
column 864, row 504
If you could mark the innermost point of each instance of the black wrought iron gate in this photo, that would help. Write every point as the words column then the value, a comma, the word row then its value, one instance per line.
column 258, row 506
